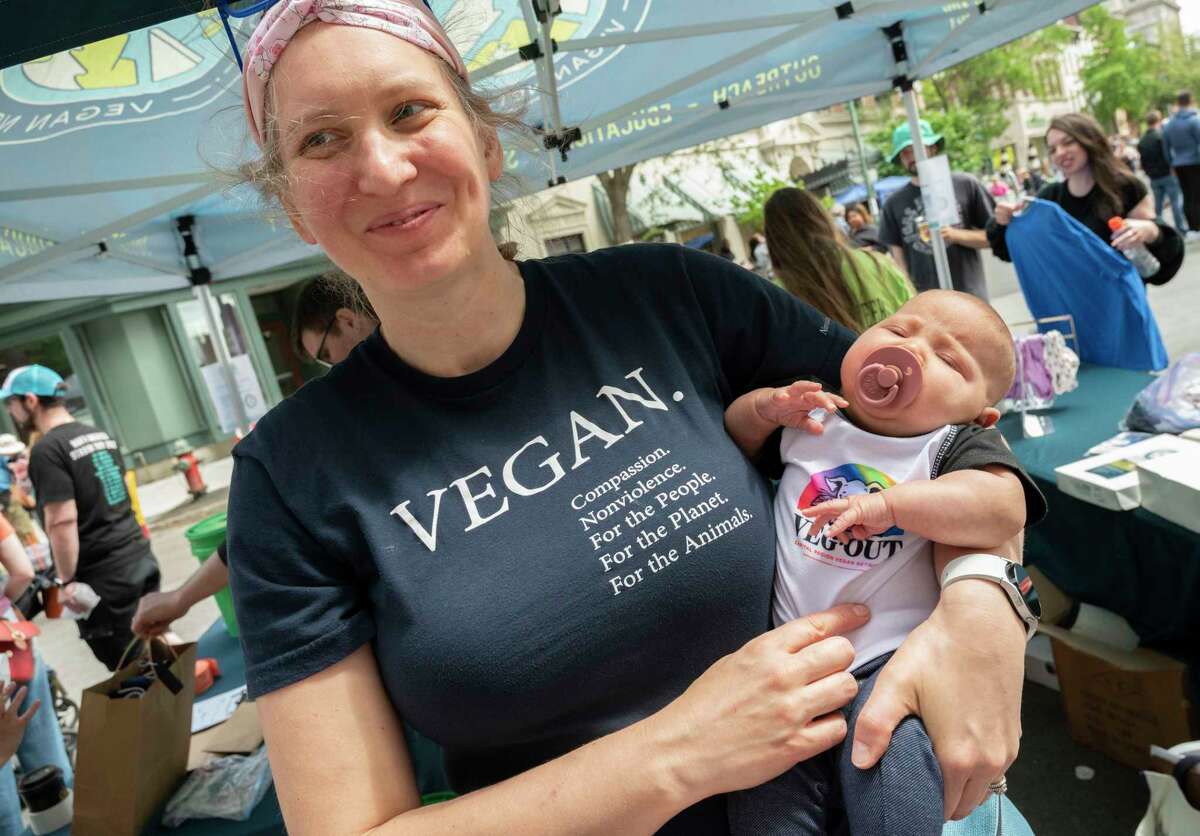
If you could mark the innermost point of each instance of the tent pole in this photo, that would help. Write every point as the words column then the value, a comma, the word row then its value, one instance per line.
column 872, row 202
column 204, row 296
column 935, row 232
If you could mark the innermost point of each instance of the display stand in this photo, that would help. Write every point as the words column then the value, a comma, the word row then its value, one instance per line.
column 1034, row 425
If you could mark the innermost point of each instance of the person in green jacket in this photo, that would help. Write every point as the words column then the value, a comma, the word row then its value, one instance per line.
column 814, row 261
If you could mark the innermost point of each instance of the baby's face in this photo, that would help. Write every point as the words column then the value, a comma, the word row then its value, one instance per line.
column 953, row 388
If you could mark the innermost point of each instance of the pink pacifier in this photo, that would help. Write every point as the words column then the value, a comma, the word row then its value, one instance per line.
column 890, row 376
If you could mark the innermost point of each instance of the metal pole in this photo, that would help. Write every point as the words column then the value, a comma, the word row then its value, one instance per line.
column 935, row 230
column 862, row 159
column 205, row 298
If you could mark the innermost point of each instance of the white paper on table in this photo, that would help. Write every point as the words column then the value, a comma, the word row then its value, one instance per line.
column 209, row 712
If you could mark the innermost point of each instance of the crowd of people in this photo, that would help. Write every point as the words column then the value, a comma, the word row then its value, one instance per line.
column 462, row 394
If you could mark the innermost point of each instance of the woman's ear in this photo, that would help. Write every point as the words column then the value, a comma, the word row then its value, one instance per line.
column 988, row 417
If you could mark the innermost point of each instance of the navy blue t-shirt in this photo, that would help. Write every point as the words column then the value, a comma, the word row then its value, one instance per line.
column 542, row 551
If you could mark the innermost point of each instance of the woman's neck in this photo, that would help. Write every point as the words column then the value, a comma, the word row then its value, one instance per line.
column 462, row 324
column 1081, row 182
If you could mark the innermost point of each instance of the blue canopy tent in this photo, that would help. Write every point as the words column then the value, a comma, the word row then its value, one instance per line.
column 107, row 147
column 883, row 188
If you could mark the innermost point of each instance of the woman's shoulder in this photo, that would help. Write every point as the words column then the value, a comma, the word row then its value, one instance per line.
column 1053, row 192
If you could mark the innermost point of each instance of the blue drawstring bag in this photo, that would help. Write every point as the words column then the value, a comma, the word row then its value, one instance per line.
column 989, row 819
column 1064, row 268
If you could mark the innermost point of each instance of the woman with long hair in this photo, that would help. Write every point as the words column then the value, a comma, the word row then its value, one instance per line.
column 864, row 232
column 811, row 258
column 1097, row 186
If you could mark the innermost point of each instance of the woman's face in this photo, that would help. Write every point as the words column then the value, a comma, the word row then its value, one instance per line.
column 855, row 220
column 1067, row 154
column 385, row 170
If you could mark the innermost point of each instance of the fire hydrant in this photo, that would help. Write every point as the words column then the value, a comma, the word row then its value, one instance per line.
column 186, row 463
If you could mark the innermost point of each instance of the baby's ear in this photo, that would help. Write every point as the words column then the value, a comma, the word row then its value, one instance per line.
column 988, row 417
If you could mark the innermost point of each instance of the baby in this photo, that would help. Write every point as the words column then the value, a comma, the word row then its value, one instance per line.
column 905, row 460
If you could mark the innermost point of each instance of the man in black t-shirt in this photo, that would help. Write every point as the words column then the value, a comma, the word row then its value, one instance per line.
column 1163, row 181
column 79, row 482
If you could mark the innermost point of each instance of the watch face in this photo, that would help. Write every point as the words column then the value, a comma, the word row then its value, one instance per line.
column 1024, row 584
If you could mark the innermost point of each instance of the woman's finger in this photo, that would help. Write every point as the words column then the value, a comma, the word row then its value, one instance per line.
column 975, row 792
column 830, row 694
column 812, row 628
column 825, row 658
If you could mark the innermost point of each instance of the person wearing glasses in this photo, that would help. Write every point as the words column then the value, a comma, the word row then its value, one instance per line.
column 513, row 518
column 332, row 317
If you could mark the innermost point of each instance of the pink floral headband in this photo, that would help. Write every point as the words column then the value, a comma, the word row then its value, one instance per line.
column 408, row 20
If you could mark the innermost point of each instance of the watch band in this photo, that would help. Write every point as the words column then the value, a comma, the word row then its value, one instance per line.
column 1008, row 575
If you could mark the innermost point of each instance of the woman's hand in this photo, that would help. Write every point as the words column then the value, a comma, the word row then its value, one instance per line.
column 155, row 612
column 763, row 708
column 961, row 672
column 12, row 723
column 1003, row 213
column 1135, row 233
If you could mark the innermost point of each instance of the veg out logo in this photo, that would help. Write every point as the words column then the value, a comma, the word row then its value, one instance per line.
column 170, row 68
column 486, row 31
column 837, row 483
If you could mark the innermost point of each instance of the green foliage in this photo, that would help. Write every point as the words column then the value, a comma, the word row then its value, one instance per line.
column 749, row 201
column 1122, row 72
column 966, row 104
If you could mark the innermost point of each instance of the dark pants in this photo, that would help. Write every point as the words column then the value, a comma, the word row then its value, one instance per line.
column 1189, row 181
column 120, row 580
column 900, row 796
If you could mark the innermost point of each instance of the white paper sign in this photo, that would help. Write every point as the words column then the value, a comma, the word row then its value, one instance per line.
column 937, row 191
column 253, row 401
column 209, row 712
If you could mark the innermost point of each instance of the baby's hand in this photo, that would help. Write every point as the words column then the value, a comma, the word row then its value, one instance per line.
column 789, row 406
column 863, row 515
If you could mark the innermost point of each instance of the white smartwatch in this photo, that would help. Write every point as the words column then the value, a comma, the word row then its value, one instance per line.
column 1009, row 576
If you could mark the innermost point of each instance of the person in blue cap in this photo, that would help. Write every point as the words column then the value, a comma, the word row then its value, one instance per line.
column 79, row 482
column 903, row 227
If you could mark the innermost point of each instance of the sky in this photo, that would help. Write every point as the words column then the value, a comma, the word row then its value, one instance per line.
column 1189, row 13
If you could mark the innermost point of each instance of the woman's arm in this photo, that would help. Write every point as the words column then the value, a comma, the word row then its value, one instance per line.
column 16, row 563
column 341, row 765
column 961, row 672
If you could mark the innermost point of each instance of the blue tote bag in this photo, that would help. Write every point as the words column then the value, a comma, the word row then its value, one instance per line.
column 1064, row 268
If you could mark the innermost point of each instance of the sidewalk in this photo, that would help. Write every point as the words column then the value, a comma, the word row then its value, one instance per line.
column 166, row 495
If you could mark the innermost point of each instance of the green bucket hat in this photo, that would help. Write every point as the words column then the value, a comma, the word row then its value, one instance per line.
column 902, row 137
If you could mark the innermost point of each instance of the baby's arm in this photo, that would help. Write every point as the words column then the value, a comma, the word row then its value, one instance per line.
column 752, row 418
column 972, row 508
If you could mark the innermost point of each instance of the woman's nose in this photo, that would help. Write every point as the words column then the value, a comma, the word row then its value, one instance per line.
column 383, row 163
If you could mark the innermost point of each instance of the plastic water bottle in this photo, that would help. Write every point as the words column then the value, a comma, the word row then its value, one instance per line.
column 1146, row 264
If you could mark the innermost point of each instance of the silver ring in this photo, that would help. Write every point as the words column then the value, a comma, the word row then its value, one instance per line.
column 999, row 786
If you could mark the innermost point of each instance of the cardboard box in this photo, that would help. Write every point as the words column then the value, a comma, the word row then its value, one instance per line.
column 1039, row 662
column 1170, row 487
column 1110, row 480
column 1120, row 702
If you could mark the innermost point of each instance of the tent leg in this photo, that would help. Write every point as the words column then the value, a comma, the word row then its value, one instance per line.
column 204, row 296
column 872, row 201
column 936, row 241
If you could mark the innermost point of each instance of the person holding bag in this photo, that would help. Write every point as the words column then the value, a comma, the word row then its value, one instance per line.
column 1097, row 187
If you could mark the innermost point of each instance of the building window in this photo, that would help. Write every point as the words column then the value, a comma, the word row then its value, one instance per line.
column 565, row 244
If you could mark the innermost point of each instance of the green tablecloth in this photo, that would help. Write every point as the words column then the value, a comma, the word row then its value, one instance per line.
column 1133, row 563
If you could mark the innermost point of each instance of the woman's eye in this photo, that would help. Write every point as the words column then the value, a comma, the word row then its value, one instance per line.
column 406, row 110
column 315, row 140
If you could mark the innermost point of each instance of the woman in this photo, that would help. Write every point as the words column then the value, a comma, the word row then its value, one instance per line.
column 509, row 534
column 1097, row 186
column 855, row 287
column 864, row 232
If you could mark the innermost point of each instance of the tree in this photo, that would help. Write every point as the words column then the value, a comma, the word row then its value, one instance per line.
column 616, row 186
column 749, row 201
column 1122, row 72
column 967, row 103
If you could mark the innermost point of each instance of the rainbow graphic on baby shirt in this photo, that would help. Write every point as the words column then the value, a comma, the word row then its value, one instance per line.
column 846, row 480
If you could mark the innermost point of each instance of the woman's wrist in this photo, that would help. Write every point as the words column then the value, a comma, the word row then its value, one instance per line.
column 984, row 601
column 669, row 762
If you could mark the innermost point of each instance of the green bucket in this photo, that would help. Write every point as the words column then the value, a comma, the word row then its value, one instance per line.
column 204, row 537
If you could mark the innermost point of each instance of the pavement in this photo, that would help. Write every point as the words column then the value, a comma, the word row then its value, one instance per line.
column 1042, row 783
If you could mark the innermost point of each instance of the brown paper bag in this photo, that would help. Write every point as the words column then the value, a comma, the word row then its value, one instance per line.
column 132, row 753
